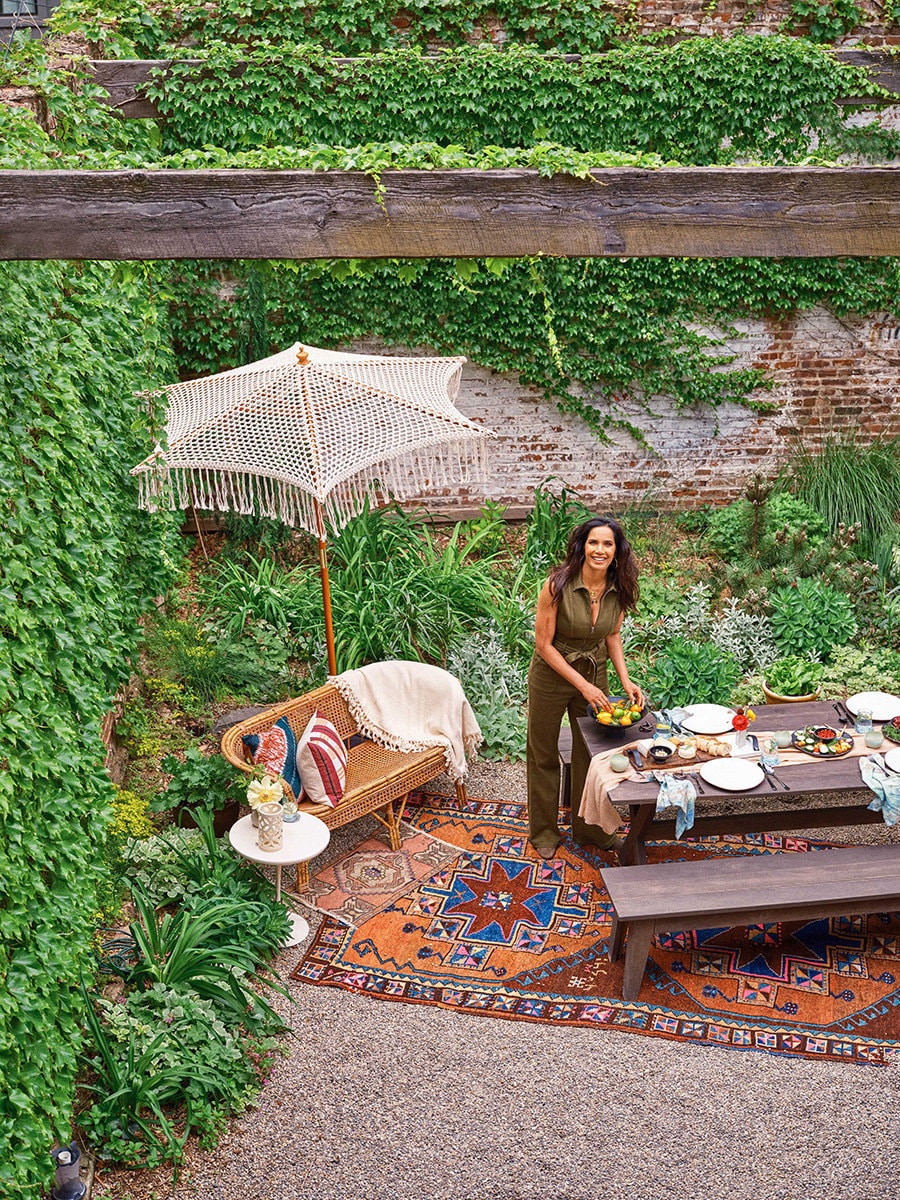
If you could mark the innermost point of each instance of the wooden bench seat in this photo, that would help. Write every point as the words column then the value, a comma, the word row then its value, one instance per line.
column 378, row 780
column 749, row 890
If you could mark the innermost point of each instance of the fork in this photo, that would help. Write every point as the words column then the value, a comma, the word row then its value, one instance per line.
column 697, row 784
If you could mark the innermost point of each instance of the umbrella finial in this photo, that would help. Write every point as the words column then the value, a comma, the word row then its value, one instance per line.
column 302, row 356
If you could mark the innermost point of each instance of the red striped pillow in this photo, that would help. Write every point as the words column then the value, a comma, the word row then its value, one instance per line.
column 322, row 762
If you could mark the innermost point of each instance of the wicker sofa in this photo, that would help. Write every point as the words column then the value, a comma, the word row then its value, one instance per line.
column 378, row 780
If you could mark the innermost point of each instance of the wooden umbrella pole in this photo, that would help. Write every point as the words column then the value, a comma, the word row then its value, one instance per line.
column 326, row 591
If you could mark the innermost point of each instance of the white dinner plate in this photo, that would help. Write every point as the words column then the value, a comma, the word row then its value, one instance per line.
column 732, row 774
column 882, row 705
column 707, row 718
column 892, row 758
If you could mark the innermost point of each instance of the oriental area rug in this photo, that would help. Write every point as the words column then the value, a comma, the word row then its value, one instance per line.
column 466, row 916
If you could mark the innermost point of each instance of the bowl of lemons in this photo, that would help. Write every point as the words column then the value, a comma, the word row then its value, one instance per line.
column 621, row 714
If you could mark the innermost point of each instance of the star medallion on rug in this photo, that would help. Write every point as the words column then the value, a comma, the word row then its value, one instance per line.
column 467, row 916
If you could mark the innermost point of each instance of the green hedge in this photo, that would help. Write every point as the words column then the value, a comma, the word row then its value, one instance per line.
column 79, row 564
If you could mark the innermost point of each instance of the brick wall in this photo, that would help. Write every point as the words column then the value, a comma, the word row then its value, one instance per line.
column 829, row 375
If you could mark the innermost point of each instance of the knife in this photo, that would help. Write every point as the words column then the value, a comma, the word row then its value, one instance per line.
column 636, row 758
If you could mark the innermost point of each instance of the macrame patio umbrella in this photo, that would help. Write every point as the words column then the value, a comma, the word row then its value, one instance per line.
column 304, row 435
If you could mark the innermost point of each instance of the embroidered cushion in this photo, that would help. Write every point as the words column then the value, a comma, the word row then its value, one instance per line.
column 276, row 750
column 322, row 762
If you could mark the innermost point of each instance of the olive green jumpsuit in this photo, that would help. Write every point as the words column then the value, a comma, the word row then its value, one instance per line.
column 583, row 646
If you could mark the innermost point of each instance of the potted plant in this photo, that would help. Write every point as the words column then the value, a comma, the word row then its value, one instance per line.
column 792, row 680
column 203, row 781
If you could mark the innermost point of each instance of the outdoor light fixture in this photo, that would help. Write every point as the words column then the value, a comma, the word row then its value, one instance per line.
column 68, row 1176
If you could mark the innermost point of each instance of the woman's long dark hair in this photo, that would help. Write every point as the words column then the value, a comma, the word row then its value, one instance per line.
column 623, row 571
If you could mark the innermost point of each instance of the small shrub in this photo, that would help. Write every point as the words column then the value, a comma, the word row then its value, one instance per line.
column 863, row 668
column 810, row 618
column 210, row 666
column 691, row 672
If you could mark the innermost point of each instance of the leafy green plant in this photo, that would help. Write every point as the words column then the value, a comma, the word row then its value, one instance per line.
column 190, row 949
column 399, row 591
column 810, row 618
column 201, row 781
column 129, row 1121
column 691, row 672
column 793, row 676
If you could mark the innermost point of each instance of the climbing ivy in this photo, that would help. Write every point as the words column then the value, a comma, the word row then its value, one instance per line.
column 678, row 102
column 617, row 328
column 79, row 565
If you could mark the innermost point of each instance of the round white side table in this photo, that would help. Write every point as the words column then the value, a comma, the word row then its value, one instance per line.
column 303, row 839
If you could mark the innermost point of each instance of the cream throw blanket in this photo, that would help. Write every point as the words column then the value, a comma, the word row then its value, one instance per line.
column 412, row 706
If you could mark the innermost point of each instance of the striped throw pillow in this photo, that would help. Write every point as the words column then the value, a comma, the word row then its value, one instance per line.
column 322, row 762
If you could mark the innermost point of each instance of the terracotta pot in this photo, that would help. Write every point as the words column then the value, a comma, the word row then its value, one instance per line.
column 775, row 698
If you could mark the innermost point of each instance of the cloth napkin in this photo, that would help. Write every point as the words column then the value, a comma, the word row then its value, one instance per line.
column 886, row 787
column 596, row 807
column 680, row 794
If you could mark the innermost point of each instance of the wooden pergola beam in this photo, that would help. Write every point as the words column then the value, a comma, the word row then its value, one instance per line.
column 703, row 212
column 122, row 79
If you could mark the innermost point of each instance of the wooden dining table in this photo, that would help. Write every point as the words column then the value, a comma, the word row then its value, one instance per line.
column 758, row 810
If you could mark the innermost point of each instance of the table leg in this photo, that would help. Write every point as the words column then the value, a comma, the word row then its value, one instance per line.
column 633, row 852
column 636, row 950
column 278, row 883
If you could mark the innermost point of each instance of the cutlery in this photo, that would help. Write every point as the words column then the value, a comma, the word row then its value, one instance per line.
column 769, row 780
column 697, row 784
column 636, row 758
column 754, row 742
column 771, row 775
column 877, row 761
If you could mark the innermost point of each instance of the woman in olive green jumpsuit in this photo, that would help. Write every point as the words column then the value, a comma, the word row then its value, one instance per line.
column 579, row 618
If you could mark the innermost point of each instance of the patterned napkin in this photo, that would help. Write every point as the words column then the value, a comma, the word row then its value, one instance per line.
column 886, row 787
column 678, row 793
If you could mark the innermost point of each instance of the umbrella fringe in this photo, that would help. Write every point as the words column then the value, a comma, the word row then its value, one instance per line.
column 247, row 493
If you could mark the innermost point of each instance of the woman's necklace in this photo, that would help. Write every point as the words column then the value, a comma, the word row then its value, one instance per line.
column 597, row 596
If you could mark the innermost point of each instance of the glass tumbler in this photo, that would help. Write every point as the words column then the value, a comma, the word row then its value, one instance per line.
column 768, row 758
column 864, row 721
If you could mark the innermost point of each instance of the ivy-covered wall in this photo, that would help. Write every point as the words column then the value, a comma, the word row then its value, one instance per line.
column 79, row 565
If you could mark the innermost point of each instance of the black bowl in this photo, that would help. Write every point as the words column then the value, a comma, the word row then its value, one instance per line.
column 592, row 711
column 661, row 752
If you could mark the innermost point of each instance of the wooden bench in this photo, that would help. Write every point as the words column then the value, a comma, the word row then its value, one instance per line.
column 749, row 890
column 378, row 780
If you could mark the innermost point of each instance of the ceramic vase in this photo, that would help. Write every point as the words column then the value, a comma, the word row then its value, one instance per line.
column 271, row 827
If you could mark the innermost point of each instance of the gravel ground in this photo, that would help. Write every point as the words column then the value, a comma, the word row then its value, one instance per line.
column 380, row 1100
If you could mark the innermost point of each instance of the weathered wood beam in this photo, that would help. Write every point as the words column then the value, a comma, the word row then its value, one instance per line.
column 124, row 78
column 708, row 212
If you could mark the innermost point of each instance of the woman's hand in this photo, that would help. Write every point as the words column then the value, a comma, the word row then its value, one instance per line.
column 634, row 693
column 594, row 697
